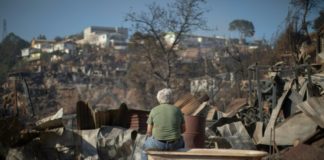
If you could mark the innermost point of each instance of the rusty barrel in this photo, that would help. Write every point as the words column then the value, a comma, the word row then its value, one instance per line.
column 194, row 136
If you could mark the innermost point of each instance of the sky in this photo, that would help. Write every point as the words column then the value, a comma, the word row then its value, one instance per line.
column 29, row 18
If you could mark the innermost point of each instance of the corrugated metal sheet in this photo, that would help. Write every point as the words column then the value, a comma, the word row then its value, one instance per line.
column 183, row 100
column 85, row 118
column 296, row 127
column 189, row 103
column 234, row 107
column 237, row 135
column 313, row 108
column 137, row 120
column 122, row 117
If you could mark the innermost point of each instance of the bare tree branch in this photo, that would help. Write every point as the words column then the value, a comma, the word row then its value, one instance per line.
column 179, row 18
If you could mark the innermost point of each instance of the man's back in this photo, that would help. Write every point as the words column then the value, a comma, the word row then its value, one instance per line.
column 167, row 120
column 164, row 125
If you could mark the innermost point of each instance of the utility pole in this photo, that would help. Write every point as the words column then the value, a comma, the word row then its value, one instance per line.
column 4, row 29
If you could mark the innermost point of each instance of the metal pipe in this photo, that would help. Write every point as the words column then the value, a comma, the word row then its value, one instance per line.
column 16, row 98
column 274, row 95
column 250, row 86
column 296, row 77
column 270, row 146
column 26, row 90
column 259, row 93
column 308, row 69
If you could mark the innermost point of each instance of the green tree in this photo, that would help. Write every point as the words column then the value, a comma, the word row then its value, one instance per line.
column 10, row 50
column 58, row 39
column 41, row 37
column 245, row 27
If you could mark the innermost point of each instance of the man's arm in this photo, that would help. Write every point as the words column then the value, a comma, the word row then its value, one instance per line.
column 149, row 130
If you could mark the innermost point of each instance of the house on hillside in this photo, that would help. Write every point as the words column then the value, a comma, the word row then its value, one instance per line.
column 31, row 54
column 189, row 41
column 105, row 37
column 39, row 47
column 65, row 47
column 26, row 52
column 43, row 45
column 207, row 84
column 36, row 48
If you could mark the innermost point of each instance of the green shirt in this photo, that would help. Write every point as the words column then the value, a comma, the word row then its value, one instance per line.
column 167, row 122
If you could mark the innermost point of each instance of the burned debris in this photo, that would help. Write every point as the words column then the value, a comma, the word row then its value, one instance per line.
column 107, row 134
column 282, row 111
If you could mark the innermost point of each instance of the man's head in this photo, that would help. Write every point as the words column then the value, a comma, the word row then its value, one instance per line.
column 164, row 96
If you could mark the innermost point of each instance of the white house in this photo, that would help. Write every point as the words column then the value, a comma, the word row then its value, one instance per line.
column 43, row 45
column 26, row 52
column 204, row 84
column 117, row 41
column 207, row 84
column 115, row 37
column 65, row 46
column 96, row 30
column 202, row 41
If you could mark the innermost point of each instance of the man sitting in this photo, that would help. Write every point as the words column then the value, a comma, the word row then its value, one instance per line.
column 164, row 125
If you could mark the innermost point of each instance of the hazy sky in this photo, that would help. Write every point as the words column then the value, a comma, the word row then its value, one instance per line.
column 29, row 18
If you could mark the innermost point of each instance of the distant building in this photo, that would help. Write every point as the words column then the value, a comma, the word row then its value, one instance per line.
column 38, row 47
column 65, row 46
column 35, row 56
column 95, row 30
column 195, row 47
column 31, row 54
column 28, row 51
column 194, row 54
column 115, row 37
column 189, row 41
column 206, row 84
column 43, row 45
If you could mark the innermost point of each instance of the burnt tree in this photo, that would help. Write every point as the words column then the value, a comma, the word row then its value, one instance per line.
column 159, row 31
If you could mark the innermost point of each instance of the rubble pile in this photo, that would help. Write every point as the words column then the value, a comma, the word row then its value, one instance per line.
column 94, row 133
column 281, row 111
column 110, row 134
